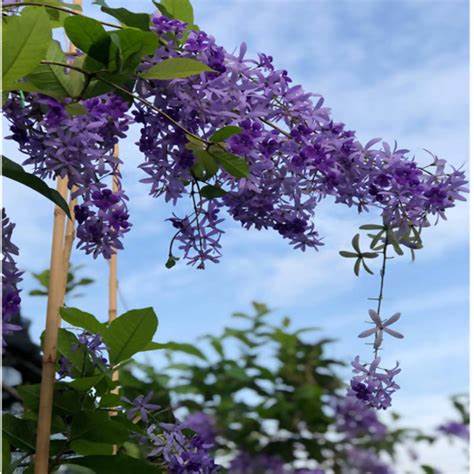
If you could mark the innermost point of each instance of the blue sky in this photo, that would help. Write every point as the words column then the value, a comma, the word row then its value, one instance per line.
column 391, row 69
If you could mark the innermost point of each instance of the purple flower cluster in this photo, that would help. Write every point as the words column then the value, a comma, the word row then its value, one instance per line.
column 355, row 419
column 203, row 425
column 79, row 147
column 182, row 454
column 454, row 428
column 102, row 220
column 245, row 463
column 373, row 385
column 11, row 276
column 296, row 153
column 365, row 461
column 94, row 345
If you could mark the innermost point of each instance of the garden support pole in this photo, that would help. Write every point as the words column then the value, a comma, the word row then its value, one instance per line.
column 59, row 267
column 55, row 299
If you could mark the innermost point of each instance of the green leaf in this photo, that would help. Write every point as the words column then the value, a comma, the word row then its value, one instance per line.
column 14, row 171
column 345, row 254
column 174, row 68
column 25, row 40
column 176, row 347
column 20, row 433
column 130, row 333
column 126, row 17
column 369, row 254
column 371, row 227
column 357, row 266
column 75, row 108
column 81, row 319
column 125, row 45
column 355, row 243
column 85, row 383
column 234, row 165
column 392, row 240
column 6, row 456
column 225, row 133
column 67, row 468
column 87, row 447
column 205, row 166
column 52, row 80
column 56, row 17
column 179, row 9
column 366, row 268
column 98, row 427
column 211, row 192
column 117, row 464
column 110, row 400
column 89, row 36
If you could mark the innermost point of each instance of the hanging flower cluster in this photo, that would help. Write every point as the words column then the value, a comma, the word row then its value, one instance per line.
column 11, row 276
column 296, row 153
column 79, row 147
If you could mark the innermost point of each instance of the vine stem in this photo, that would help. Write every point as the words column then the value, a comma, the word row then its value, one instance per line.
column 382, row 280
column 61, row 247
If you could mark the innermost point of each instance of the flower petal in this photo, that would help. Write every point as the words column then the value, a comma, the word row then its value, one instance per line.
column 392, row 319
column 393, row 333
column 374, row 316
column 368, row 332
column 378, row 340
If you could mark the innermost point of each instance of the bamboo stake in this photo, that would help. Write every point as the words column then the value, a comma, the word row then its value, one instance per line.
column 113, row 284
column 55, row 299
column 59, row 266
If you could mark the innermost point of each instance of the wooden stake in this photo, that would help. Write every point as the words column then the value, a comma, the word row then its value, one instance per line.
column 59, row 266
column 55, row 300
column 113, row 282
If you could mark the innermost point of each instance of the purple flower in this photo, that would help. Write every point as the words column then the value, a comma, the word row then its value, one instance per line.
column 94, row 345
column 11, row 277
column 141, row 405
column 381, row 327
column 454, row 428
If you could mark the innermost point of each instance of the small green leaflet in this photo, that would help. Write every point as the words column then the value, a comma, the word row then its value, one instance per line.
column 14, row 171
column 210, row 192
column 176, row 68
column 25, row 40
column 225, row 133
column 179, row 9
column 235, row 165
